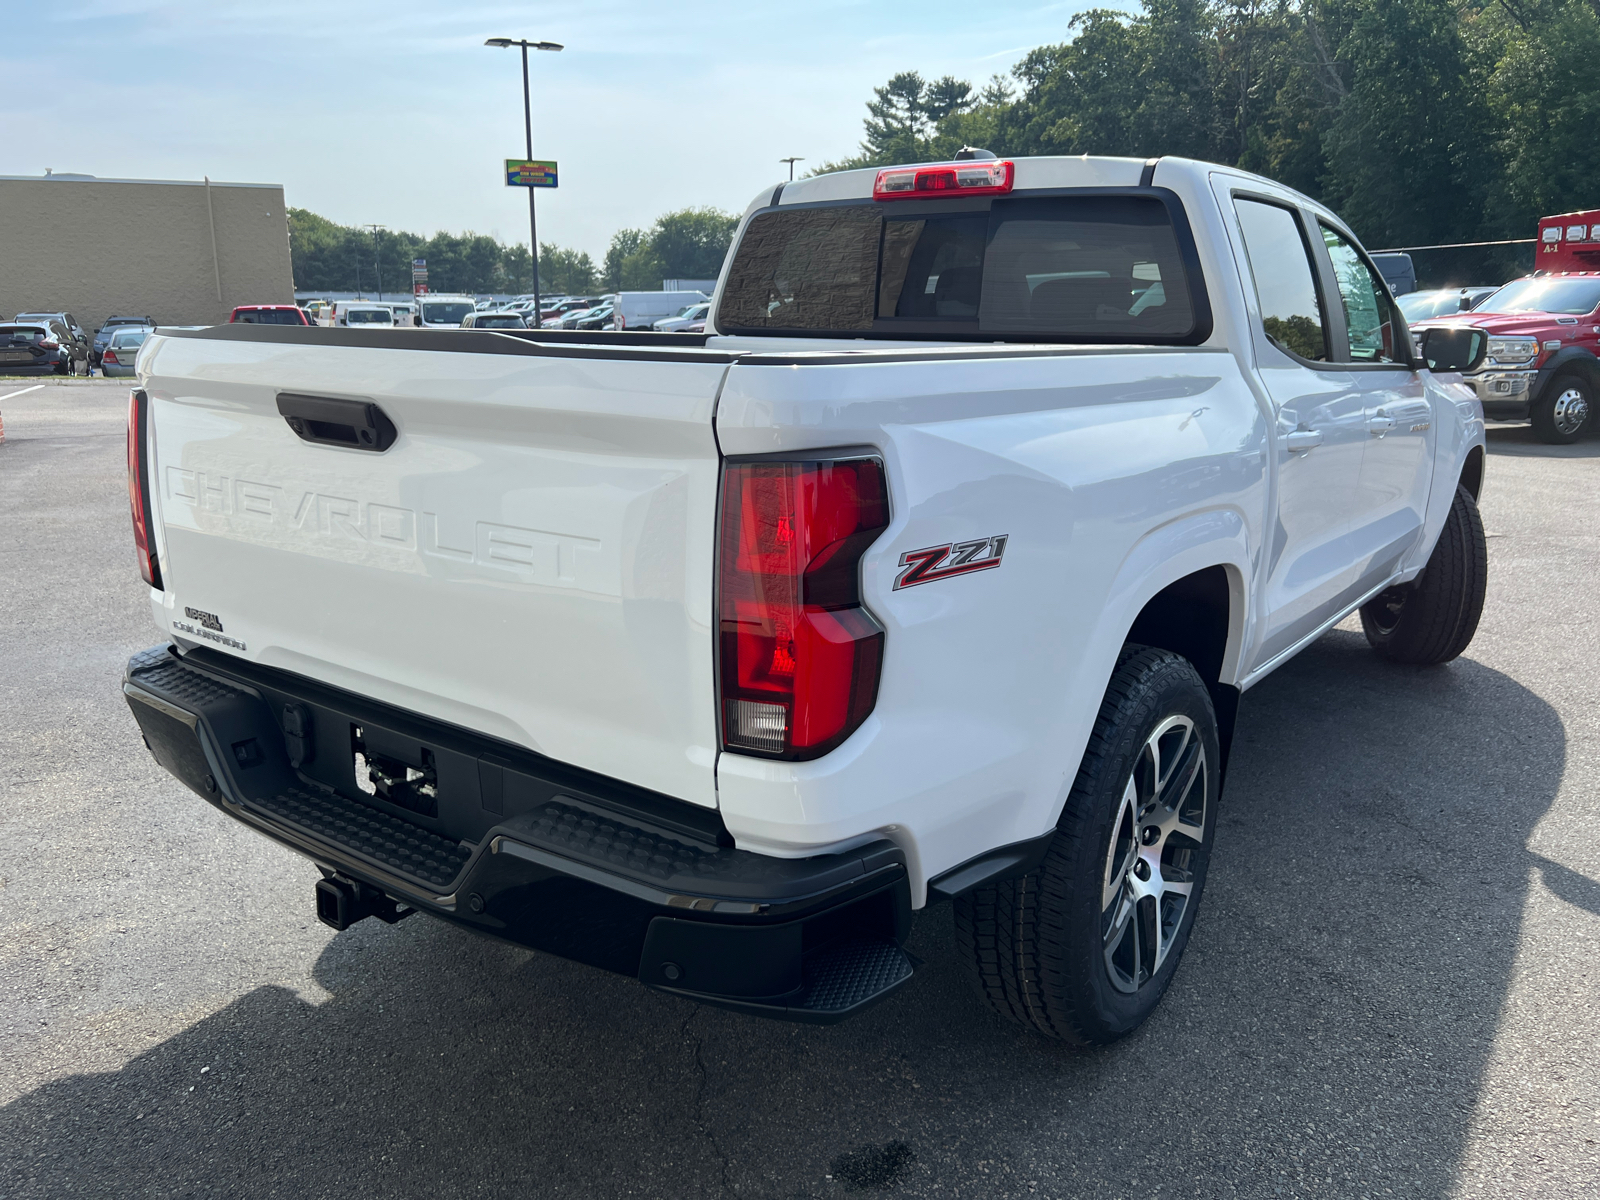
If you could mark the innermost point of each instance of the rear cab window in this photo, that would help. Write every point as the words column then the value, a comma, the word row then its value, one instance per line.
column 1112, row 266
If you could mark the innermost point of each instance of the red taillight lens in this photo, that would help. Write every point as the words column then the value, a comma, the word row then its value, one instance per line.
column 986, row 178
column 49, row 344
column 110, row 356
column 800, row 656
column 138, row 487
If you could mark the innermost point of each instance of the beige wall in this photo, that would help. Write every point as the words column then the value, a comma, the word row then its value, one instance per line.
column 98, row 247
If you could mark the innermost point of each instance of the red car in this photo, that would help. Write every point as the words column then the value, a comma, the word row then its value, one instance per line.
column 268, row 314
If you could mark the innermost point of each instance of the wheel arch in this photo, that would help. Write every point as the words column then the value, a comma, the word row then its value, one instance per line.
column 1572, row 360
column 1185, row 588
column 1472, row 472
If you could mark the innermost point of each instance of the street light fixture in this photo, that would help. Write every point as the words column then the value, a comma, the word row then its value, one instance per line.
column 791, row 162
column 527, row 120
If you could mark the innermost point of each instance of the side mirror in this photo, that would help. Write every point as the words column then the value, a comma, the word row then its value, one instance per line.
column 1457, row 349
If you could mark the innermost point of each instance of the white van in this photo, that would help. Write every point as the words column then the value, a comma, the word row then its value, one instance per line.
column 641, row 310
column 405, row 314
column 443, row 312
column 363, row 314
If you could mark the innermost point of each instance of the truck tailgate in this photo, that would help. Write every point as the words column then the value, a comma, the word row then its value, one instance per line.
column 531, row 558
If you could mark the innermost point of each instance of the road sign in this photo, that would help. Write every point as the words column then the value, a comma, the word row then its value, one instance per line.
column 521, row 172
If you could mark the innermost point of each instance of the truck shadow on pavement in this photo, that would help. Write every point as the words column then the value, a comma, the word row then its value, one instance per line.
column 1325, row 1036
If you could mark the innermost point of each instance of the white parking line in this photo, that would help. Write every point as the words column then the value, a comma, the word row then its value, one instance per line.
column 23, row 392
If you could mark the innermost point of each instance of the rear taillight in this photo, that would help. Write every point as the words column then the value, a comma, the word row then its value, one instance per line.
column 139, row 487
column 110, row 356
column 799, row 655
column 49, row 344
column 958, row 178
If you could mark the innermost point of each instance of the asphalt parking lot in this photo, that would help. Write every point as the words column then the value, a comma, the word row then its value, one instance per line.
column 1391, row 990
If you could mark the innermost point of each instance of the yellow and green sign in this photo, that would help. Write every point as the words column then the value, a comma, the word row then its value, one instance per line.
column 523, row 173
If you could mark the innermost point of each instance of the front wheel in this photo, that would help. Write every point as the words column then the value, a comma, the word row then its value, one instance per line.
column 1564, row 413
column 1083, row 948
column 1432, row 619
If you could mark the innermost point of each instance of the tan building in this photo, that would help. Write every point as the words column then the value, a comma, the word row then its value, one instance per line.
column 182, row 253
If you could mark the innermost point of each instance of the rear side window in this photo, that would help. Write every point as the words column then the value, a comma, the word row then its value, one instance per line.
column 1280, row 262
column 1069, row 268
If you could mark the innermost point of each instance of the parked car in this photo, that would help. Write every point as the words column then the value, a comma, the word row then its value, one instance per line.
column 1441, row 302
column 120, row 354
column 494, row 320
column 593, row 318
column 82, row 348
column 102, row 336
column 570, row 319
column 38, row 348
column 641, row 310
column 268, row 314
column 364, row 315
column 937, row 576
column 691, row 314
column 443, row 312
column 694, row 326
column 66, row 318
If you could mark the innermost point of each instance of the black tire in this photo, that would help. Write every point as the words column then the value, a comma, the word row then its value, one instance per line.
column 1564, row 412
column 1432, row 619
column 1044, row 948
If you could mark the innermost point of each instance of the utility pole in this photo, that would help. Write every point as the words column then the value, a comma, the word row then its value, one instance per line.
column 377, row 258
column 791, row 162
column 527, row 120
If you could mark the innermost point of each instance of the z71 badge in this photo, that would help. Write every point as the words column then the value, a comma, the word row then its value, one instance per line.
column 953, row 558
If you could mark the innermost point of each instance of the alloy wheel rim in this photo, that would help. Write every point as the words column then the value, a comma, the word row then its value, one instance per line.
column 1571, row 410
column 1153, row 856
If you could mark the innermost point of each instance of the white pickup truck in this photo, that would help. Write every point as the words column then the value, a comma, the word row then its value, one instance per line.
column 934, row 570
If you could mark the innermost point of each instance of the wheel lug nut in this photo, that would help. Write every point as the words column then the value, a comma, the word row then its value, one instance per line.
column 1142, row 869
column 1151, row 835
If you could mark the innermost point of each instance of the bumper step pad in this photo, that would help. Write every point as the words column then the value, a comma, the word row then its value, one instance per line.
column 399, row 846
column 409, row 851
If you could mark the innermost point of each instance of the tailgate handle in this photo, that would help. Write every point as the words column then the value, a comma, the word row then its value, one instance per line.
column 354, row 424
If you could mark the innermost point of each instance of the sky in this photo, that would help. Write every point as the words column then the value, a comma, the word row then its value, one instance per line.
column 395, row 111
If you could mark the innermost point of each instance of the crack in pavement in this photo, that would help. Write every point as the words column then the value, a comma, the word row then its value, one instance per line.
column 699, row 1104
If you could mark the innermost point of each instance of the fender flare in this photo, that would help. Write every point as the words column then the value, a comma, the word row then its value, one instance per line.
column 1170, row 552
column 1570, row 360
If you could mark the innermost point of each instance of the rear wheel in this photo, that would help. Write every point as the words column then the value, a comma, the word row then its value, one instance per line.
column 1564, row 413
column 1083, row 948
column 1432, row 619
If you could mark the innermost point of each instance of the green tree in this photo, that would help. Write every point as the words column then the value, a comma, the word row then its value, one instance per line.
column 624, row 256
column 691, row 243
column 1411, row 147
column 565, row 272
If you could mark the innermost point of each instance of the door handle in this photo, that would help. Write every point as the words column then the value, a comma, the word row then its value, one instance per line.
column 354, row 424
column 1380, row 423
column 1303, row 439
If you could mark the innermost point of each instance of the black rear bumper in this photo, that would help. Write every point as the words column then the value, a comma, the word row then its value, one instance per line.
column 518, row 846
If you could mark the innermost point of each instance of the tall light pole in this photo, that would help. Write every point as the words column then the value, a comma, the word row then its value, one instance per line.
column 377, row 257
column 527, row 119
column 791, row 162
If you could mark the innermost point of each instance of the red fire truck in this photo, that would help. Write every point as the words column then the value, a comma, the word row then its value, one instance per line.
column 1543, row 333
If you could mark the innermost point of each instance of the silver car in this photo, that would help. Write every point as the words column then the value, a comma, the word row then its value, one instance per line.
column 688, row 316
column 122, row 351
